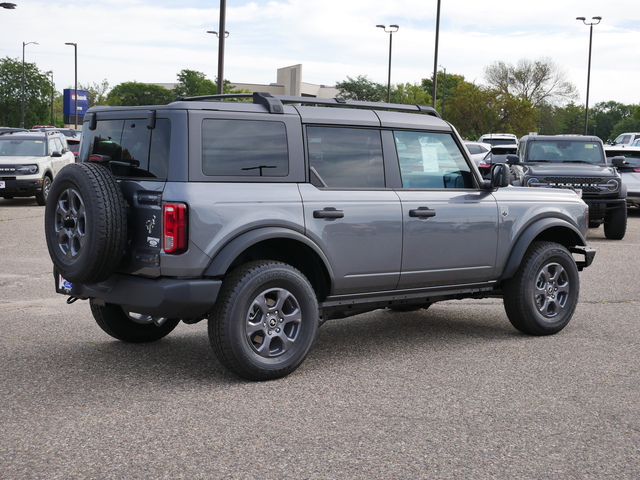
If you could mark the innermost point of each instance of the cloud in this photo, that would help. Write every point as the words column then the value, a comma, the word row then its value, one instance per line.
column 152, row 41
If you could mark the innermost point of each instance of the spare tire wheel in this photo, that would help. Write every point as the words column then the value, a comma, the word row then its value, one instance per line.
column 85, row 223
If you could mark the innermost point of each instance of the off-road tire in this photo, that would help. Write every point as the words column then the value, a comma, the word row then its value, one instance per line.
column 615, row 224
column 264, row 320
column 41, row 197
column 85, row 223
column 542, row 295
column 129, row 327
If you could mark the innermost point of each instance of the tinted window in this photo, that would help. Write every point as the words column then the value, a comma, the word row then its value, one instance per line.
column 431, row 160
column 565, row 151
column 345, row 157
column 132, row 142
column 244, row 148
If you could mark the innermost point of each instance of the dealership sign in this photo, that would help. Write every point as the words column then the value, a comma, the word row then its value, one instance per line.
column 69, row 106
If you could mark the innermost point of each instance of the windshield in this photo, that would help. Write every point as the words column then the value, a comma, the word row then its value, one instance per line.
column 22, row 147
column 565, row 151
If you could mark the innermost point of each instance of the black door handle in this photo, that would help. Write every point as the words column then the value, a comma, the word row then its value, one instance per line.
column 422, row 212
column 328, row 212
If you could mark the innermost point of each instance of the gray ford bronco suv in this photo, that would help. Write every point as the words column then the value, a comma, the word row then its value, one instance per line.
column 267, row 218
column 579, row 163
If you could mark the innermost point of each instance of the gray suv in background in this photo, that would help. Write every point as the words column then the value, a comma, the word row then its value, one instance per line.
column 269, row 218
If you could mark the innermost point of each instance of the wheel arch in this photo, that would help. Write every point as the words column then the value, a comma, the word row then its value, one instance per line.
column 275, row 243
column 549, row 229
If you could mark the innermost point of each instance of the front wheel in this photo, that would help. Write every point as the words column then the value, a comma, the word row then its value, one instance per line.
column 131, row 327
column 41, row 197
column 542, row 295
column 615, row 225
column 264, row 321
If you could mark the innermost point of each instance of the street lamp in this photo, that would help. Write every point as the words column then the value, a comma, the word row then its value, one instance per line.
column 392, row 29
column 75, row 92
column 24, row 44
column 8, row 6
column 220, row 58
column 586, row 107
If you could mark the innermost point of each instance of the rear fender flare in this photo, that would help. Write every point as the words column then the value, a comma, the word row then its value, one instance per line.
column 225, row 257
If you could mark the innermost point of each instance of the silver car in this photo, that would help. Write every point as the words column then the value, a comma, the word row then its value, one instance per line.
column 630, row 172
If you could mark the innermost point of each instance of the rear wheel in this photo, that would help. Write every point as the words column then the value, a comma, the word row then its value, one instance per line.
column 264, row 321
column 615, row 225
column 542, row 295
column 131, row 327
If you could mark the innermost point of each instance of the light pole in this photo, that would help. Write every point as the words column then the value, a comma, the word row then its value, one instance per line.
column 75, row 91
column 24, row 44
column 223, row 14
column 586, row 107
column 53, row 123
column 392, row 29
column 444, row 87
column 435, row 58
column 8, row 6
column 220, row 58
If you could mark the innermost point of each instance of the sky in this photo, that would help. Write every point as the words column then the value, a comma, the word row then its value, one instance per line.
column 152, row 41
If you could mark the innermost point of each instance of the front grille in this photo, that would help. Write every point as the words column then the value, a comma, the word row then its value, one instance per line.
column 588, row 185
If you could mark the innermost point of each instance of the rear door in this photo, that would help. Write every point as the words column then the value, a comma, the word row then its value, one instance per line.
column 348, row 209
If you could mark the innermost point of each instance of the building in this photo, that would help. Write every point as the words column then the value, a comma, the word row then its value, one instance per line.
column 289, row 82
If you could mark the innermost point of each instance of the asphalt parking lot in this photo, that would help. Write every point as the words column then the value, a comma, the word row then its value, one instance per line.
column 453, row 392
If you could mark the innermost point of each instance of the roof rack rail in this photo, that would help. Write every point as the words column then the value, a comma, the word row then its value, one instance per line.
column 275, row 103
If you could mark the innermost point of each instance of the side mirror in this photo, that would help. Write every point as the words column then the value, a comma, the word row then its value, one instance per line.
column 513, row 159
column 619, row 161
column 500, row 175
column 56, row 154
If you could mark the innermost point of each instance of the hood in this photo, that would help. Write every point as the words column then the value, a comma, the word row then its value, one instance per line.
column 570, row 169
column 21, row 160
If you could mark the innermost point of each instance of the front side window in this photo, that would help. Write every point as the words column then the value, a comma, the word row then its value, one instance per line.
column 341, row 157
column 248, row 148
column 431, row 160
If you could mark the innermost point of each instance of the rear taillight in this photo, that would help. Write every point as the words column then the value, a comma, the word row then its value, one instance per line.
column 175, row 228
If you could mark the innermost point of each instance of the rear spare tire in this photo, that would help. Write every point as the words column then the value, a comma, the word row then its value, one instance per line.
column 85, row 223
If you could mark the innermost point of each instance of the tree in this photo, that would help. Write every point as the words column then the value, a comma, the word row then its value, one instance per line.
column 538, row 82
column 135, row 93
column 97, row 92
column 410, row 94
column 37, row 94
column 627, row 124
column 447, row 86
column 362, row 89
column 194, row 84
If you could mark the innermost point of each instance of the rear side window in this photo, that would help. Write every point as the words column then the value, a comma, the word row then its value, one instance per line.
column 246, row 148
column 342, row 157
column 132, row 142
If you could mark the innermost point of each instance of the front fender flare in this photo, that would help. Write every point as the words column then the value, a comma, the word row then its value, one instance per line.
column 530, row 233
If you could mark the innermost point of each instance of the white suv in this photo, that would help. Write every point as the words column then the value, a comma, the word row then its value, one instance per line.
column 29, row 161
column 499, row 139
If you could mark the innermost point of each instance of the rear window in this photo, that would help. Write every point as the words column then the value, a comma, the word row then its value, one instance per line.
column 246, row 148
column 132, row 142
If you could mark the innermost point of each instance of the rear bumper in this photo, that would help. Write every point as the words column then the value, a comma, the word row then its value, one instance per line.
column 163, row 297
